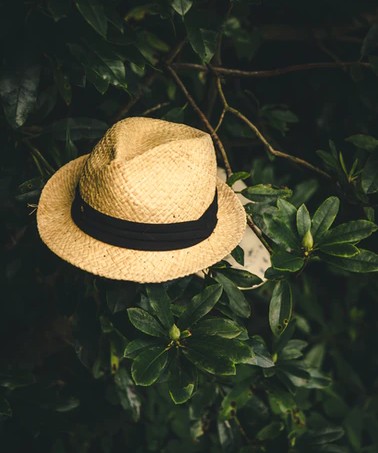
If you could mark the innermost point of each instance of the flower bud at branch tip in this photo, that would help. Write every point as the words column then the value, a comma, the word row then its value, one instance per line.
column 174, row 333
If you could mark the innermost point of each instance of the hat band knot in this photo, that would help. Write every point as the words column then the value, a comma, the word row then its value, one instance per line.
column 143, row 236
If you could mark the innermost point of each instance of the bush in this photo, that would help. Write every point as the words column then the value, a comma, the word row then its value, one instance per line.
column 200, row 365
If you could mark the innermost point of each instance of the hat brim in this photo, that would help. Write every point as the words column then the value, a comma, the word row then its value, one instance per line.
column 65, row 239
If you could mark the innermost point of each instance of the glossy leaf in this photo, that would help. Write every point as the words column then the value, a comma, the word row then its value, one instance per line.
column 161, row 304
column 365, row 261
column 94, row 13
column 265, row 193
column 237, row 177
column 352, row 231
column 235, row 399
column 18, row 93
column 270, row 431
column 206, row 360
column 241, row 277
column 203, row 41
column 343, row 250
column 145, row 322
column 369, row 176
column 280, row 307
column 238, row 255
column 221, row 327
column 135, row 347
column 324, row 217
column 238, row 303
column 280, row 232
column 366, row 142
column 285, row 261
column 235, row 350
column 80, row 128
column 181, row 384
column 182, row 6
column 303, row 220
column 262, row 357
column 200, row 305
column 148, row 365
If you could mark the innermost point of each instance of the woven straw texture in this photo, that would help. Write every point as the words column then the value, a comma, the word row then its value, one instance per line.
column 142, row 170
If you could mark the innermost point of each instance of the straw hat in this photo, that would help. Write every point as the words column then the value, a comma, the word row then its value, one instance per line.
column 145, row 205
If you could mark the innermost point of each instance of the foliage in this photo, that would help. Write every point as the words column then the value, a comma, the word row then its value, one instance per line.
column 200, row 365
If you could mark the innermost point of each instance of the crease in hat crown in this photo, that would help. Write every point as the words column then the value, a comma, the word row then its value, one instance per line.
column 150, row 171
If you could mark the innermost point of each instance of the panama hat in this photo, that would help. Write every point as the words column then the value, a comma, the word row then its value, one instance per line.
column 145, row 205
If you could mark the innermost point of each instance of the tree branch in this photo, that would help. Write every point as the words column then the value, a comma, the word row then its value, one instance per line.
column 270, row 72
column 264, row 141
column 146, row 83
column 203, row 118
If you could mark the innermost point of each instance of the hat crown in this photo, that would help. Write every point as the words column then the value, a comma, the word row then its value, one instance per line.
column 151, row 171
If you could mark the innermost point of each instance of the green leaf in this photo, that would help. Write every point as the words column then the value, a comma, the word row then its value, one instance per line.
column 148, row 365
column 265, row 193
column 94, row 13
column 58, row 8
column 235, row 350
column 144, row 322
column 293, row 350
column 262, row 357
column 270, row 431
column 369, row 176
column 135, row 347
column 370, row 41
column 241, row 277
column 280, row 307
column 352, row 231
column 365, row 261
column 129, row 399
column 80, row 128
column 366, row 142
column 161, row 304
column 287, row 212
column 285, row 261
column 280, row 232
column 182, row 6
column 206, row 360
column 324, row 217
column 278, row 117
column 238, row 303
column 238, row 255
column 342, row 250
column 237, row 177
column 18, row 93
column 203, row 41
column 221, row 327
column 200, row 305
column 303, row 220
column 235, row 399
column 181, row 384
column 5, row 409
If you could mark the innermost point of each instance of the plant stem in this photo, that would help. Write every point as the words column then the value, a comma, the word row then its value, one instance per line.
column 270, row 72
column 264, row 141
column 203, row 118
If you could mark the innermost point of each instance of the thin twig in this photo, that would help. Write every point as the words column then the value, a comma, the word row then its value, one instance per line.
column 270, row 72
column 220, row 120
column 147, row 83
column 153, row 109
column 203, row 118
column 264, row 141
